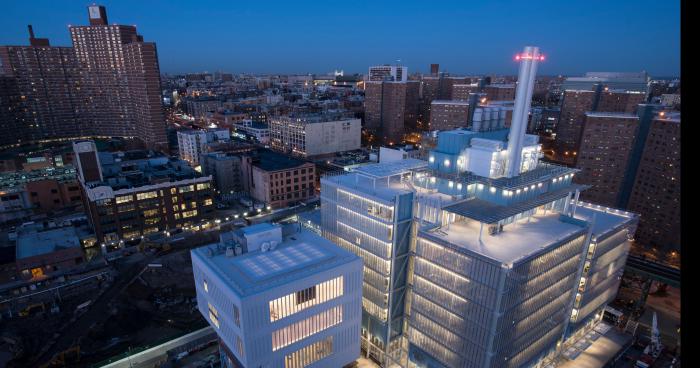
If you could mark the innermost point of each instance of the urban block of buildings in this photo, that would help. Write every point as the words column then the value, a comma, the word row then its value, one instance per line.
column 135, row 193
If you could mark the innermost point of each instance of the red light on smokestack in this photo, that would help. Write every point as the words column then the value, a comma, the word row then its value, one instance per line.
column 517, row 57
column 541, row 57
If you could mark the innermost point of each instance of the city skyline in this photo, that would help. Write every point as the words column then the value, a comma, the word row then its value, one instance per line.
column 250, row 38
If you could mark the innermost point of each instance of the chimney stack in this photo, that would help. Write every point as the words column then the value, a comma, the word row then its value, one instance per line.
column 33, row 41
column 523, row 98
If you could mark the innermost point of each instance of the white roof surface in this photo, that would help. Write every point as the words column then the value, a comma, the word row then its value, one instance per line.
column 604, row 219
column 516, row 242
column 301, row 254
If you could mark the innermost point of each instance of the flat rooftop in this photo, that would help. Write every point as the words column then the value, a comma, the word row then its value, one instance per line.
column 358, row 184
column 42, row 242
column 516, row 242
column 123, row 170
column 382, row 170
column 301, row 254
column 603, row 219
column 273, row 161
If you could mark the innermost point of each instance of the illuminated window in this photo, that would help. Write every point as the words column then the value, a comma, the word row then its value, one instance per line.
column 150, row 213
column 302, row 299
column 187, row 188
column 213, row 315
column 202, row 186
column 124, row 199
column 309, row 354
column 307, row 327
column 146, row 195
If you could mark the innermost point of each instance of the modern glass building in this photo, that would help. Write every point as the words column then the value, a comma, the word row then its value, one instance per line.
column 483, row 256
column 370, row 213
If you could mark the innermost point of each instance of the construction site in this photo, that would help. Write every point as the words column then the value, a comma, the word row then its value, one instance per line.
column 88, row 319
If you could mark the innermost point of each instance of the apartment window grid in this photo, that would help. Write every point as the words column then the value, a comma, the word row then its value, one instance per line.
column 306, row 298
column 300, row 330
column 309, row 354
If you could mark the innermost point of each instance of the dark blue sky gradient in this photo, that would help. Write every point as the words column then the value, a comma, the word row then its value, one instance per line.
column 464, row 37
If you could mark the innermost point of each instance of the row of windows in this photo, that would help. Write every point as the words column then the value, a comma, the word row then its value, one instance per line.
column 309, row 354
column 306, row 298
column 307, row 327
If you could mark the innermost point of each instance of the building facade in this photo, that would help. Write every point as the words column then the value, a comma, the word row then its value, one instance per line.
column 606, row 145
column 390, row 107
column 394, row 73
column 120, row 79
column 46, row 91
column 657, row 186
column 280, row 299
column 448, row 114
column 313, row 135
column 276, row 179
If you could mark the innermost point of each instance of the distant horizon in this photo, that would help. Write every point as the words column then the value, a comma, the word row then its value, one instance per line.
column 652, row 77
column 285, row 38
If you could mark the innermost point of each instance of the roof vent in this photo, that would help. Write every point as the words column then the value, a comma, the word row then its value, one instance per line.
column 229, row 251
column 273, row 244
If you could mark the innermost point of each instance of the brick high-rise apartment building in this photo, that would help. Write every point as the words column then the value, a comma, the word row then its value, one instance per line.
column 120, row 77
column 606, row 145
column 449, row 114
column 390, row 107
column 632, row 161
column 657, row 186
column 42, row 91
column 107, row 84
column 575, row 104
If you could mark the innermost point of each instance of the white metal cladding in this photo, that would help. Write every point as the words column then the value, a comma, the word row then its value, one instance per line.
column 454, row 299
column 530, row 281
column 252, row 342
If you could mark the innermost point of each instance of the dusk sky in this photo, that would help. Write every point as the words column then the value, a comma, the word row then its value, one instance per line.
column 464, row 37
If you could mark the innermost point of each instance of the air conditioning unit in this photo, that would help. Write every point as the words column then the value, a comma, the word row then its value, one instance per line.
column 273, row 244
column 229, row 251
column 265, row 247
column 493, row 229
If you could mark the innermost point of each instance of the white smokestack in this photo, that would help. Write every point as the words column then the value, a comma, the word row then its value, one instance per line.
column 523, row 97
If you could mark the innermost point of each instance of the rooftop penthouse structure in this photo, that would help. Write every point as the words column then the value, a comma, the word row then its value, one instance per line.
column 280, row 297
column 482, row 256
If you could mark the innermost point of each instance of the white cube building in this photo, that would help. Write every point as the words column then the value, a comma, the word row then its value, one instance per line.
column 280, row 298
